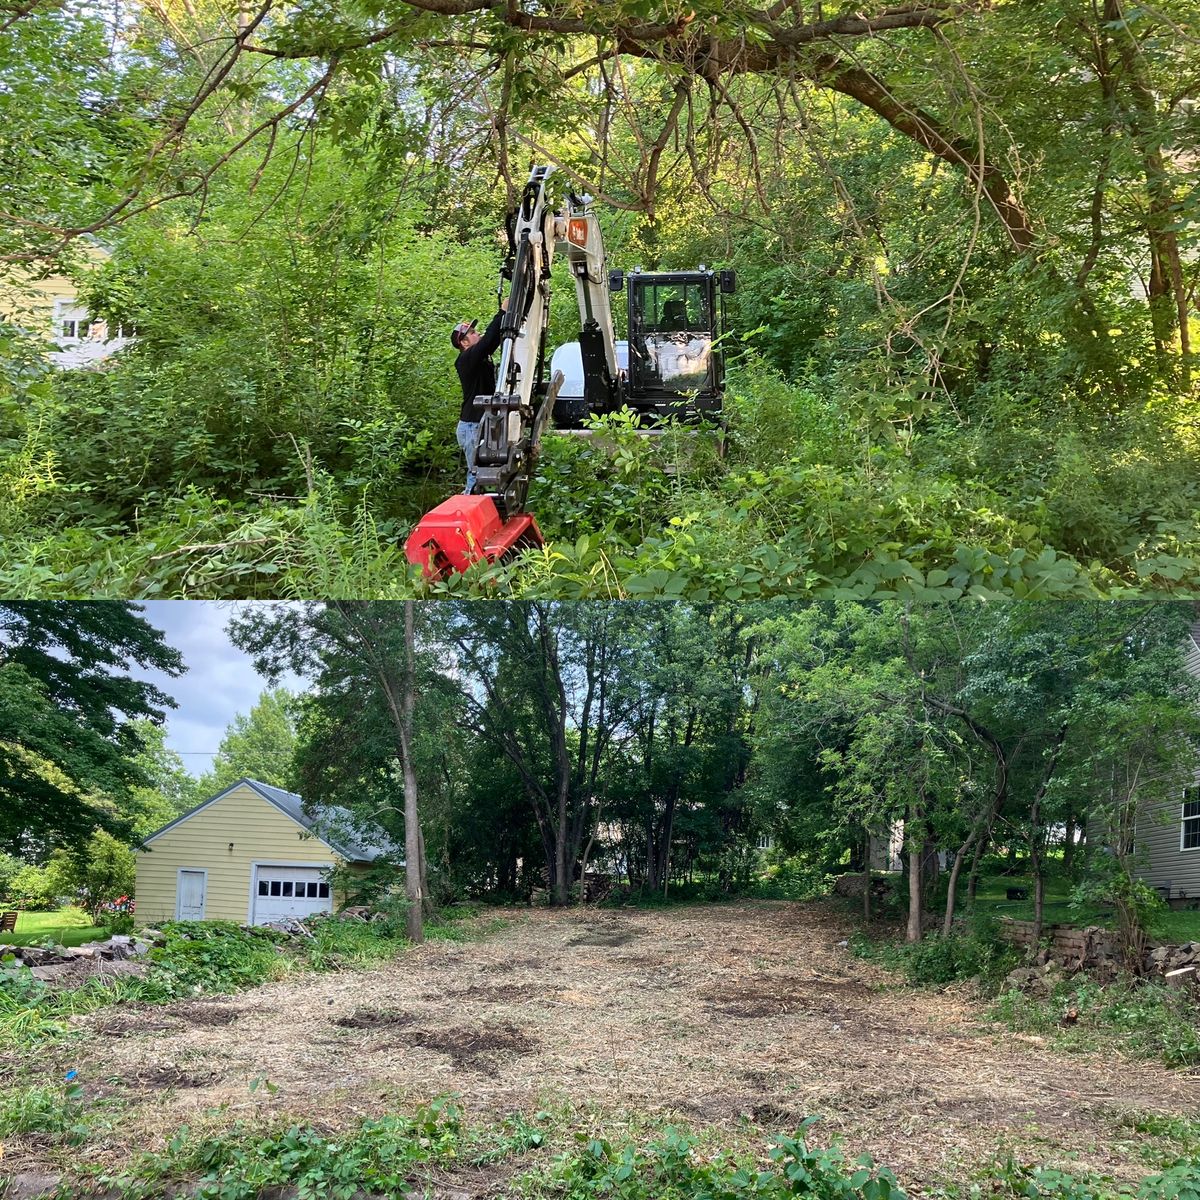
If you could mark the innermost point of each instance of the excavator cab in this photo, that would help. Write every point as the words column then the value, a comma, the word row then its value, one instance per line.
column 675, row 363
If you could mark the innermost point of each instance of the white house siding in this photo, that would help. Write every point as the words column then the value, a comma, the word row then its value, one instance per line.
column 1162, row 863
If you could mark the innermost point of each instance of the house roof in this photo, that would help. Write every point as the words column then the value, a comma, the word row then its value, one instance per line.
column 337, row 827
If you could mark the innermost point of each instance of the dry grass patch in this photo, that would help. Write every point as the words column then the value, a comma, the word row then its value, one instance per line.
column 716, row 1016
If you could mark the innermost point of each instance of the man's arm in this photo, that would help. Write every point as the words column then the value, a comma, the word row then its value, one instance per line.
column 490, row 338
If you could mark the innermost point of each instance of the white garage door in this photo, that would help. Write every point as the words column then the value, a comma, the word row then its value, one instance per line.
column 289, row 892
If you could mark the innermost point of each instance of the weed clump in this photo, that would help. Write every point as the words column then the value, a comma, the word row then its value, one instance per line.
column 1144, row 1018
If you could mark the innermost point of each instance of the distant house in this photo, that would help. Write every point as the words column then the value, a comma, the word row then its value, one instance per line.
column 249, row 854
column 48, row 307
column 1167, row 834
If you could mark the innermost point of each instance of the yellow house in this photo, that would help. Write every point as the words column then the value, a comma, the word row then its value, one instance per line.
column 249, row 854
column 48, row 306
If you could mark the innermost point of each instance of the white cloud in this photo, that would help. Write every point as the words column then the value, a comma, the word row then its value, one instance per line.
column 220, row 680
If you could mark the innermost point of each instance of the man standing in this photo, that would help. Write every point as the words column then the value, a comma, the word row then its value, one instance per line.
column 478, row 378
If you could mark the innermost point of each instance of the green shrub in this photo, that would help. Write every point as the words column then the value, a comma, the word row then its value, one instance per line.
column 793, row 879
column 41, row 889
column 214, row 956
column 241, row 1164
column 1178, row 1182
column 975, row 953
column 668, row 1169
column 1017, row 1180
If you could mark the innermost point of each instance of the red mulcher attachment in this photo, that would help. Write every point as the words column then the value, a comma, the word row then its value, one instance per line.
column 465, row 529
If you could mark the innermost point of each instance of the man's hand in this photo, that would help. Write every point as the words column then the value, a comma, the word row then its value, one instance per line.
column 504, row 304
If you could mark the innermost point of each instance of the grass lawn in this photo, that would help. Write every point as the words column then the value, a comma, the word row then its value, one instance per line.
column 67, row 926
column 1182, row 925
column 991, row 899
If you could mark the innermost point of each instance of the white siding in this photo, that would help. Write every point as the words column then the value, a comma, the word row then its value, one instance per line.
column 1162, row 863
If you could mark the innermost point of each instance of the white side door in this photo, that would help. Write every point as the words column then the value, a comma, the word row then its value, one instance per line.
column 189, row 898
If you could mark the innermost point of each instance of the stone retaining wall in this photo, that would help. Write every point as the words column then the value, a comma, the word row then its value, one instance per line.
column 1066, row 942
column 1094, row 947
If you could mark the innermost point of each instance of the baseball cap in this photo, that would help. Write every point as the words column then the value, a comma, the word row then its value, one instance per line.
column 463, row 327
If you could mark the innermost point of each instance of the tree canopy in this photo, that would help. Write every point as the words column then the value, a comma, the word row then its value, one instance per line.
column 260, row 744
column 70, row 714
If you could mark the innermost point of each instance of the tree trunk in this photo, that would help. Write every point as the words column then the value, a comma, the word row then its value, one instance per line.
column 427, row 898
column 915, row 854
column 1069, row 841
column 866, row 876
column 976, row 859
column 401, row 698
column 1036, row 865
column 952, row 887
column 414, row 858
column 1167, row 292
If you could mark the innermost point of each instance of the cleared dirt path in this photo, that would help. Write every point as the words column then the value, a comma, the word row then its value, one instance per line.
column 720, row 1015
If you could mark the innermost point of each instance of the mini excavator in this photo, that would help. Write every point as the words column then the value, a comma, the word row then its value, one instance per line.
column 671, row 367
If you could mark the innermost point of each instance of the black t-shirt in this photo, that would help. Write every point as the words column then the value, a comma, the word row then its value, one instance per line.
column 475, row 370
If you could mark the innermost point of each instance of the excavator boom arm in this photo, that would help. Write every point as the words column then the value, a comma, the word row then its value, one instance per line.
column 492, row 523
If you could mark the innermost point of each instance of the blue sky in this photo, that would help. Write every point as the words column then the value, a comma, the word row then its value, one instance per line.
column 220, row 681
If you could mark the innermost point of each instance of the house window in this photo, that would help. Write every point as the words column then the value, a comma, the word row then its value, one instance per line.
column 287, row 887
column 312, row 891
column 1191, row 819
column 324, row 892
column 275, row 886
column 75, row 327
column 264, row 888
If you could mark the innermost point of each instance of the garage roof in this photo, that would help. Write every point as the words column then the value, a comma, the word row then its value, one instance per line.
column 337, row 827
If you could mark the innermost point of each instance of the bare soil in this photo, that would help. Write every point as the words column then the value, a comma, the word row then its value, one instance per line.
column 716, row 1016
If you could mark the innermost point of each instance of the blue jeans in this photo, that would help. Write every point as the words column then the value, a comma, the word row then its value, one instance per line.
column 466, row 434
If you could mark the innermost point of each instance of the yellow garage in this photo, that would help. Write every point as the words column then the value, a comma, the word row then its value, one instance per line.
column 249, row 854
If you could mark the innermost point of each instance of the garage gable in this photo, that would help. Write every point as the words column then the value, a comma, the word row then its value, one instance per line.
column 243, row 805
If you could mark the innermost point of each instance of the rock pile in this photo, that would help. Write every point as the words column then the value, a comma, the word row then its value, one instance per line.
column 69, row 966
column 851, row 886
column 1038, row 981
column 1179, row 965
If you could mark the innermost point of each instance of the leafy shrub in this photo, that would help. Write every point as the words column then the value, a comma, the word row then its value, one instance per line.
column 17, row 981
column 336, row 943
column 119, row 922
column 975, row 953
column 242, row 1164
column 103, row 873
column 42, row 889
column 668, row 1169
column 1013, row 1179
column 793, row 879
column 1178, row 1182
column 215, row 956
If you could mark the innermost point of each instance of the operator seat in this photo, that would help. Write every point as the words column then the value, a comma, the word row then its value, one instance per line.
column 674, row 315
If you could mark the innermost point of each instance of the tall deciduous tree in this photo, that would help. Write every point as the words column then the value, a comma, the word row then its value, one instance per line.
column 171, row 790
column 69, row 712
column 259, row 745
column 544, row 688
column 360, row 655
